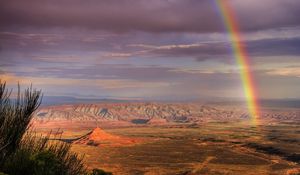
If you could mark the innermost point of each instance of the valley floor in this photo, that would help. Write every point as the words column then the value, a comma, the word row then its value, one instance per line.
column 213, row 148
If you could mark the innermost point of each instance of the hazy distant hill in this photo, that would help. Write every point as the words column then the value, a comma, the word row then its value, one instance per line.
column 265, row 103
column 156, row 113
column 59, row 100
column 272, row 103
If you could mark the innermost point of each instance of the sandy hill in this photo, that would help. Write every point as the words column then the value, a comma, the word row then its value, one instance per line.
column 98, row 137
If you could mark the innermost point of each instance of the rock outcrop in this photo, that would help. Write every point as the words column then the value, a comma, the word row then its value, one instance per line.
column 98, row 137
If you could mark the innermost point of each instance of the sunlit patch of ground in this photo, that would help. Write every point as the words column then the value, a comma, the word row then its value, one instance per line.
column 215, row 148
column 99, row 137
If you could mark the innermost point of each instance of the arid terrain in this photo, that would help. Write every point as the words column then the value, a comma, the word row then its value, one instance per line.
column 133, row 114
column 164, row 138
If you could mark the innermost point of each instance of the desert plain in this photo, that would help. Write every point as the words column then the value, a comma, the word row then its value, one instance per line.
column 177, row 138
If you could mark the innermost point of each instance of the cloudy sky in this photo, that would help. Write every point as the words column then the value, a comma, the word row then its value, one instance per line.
column 148, row 49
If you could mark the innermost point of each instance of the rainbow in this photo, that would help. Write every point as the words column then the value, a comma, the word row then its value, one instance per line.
column 241, row 57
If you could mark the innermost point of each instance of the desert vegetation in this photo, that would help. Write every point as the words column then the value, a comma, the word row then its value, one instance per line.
column 22, row 151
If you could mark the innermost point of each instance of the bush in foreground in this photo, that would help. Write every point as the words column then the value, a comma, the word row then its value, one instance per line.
column 99, row 172
column 23, row 152
column 39, row 155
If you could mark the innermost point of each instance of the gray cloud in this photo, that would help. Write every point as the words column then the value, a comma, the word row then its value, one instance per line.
column 177, row 44
column 107, row 71
column 143, row 15
column 222, row 50
column 274, row 47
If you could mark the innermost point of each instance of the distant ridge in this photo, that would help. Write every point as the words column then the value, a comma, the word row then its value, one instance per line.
column 60, row 100
column 269, row 103
column 153, row 114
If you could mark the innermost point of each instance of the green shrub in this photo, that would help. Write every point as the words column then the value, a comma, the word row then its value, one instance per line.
column 99, row 172
column 15, row 116
column 39, row 155
column 23, row 152
column 46, row 162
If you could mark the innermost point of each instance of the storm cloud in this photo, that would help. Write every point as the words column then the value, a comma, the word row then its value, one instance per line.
column 149, row 16
column 148, row 48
